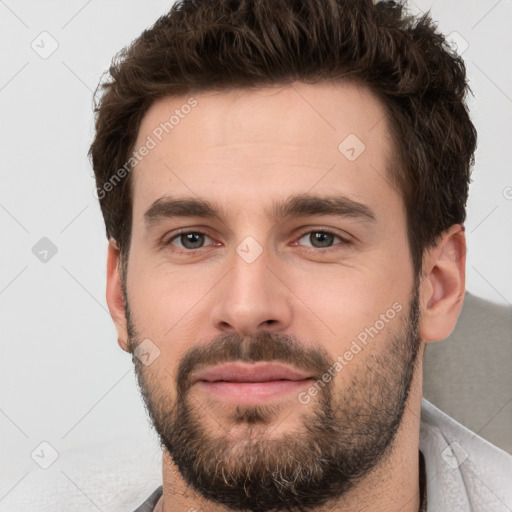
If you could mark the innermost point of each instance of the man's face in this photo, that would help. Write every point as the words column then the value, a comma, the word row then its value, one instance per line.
column 267, row 234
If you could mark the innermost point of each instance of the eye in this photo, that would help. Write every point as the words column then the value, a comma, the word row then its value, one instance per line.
column 319, row 239
column 189, row 240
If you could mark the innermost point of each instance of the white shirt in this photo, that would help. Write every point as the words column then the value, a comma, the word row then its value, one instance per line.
column 464, row 473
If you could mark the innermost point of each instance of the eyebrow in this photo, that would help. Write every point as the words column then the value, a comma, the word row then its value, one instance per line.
column 169, row 207
column 304, row 205
column 301, row 205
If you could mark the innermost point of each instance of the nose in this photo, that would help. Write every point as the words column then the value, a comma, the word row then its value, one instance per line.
column 252, row 297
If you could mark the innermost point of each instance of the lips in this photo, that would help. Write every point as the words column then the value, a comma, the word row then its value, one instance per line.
column 249, row 372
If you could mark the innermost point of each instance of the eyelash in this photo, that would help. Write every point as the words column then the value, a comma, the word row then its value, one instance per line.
column 344, row 241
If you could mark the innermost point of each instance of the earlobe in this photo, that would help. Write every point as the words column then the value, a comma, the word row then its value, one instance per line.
column 114, row 295
column 443, row 285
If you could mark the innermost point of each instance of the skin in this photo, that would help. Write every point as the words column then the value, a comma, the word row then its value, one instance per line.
column 242, row 150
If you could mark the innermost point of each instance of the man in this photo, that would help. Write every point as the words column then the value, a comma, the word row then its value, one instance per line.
column 284, row 186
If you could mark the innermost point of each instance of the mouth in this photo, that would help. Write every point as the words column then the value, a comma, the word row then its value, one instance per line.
column 250, row 382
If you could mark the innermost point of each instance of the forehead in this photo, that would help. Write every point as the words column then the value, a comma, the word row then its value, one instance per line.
column 243, row 146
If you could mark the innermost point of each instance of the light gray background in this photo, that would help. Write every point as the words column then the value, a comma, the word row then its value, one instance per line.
column 63, row 379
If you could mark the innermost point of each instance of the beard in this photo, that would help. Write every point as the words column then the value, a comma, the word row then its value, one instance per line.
column 340, row 436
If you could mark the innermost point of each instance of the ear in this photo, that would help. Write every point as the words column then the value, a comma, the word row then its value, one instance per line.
column 115, row 299
column 443, row 284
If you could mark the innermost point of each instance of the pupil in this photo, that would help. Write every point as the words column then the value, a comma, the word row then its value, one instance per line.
column 192, row 240
column 320, row 239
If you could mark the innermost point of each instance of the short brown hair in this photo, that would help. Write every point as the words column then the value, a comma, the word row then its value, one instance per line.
column 220, row 45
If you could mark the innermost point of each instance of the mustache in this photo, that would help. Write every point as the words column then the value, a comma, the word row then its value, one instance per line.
column 263, row 346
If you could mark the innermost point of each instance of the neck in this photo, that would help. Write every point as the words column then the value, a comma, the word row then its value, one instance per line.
column 392, row 486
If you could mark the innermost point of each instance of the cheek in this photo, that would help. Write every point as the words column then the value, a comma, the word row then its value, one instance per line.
column 170, row 308
column 339, row 302
column 160, row 297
